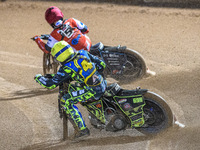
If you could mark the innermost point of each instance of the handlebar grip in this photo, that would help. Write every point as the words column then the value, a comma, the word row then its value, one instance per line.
column 43, row 36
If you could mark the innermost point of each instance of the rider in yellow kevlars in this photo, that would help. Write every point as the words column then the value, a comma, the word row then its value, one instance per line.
column 78, row 66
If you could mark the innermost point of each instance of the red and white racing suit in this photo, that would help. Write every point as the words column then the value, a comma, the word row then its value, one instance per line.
column 76, row 38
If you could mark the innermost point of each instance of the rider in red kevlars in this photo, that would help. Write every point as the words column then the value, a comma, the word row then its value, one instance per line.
column 70, row 30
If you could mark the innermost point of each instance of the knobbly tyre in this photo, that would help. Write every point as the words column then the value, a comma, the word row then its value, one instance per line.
column 50, row 65
column 120, row 109
column 122, row 62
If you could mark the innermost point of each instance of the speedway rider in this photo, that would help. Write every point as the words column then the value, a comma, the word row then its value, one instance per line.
column 70, row 30
column 78, row 66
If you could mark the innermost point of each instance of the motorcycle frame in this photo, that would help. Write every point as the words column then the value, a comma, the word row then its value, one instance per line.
column 97, row 107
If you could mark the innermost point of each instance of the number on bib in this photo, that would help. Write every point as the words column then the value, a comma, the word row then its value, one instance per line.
column 86, row 65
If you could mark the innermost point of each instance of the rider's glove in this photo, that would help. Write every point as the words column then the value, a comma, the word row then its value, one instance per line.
column 101, row 67
column 37, row 76
column 49, row 76
column 43, row 81
column 35, row 37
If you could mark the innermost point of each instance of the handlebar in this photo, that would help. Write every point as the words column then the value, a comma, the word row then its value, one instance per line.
column 43, row 36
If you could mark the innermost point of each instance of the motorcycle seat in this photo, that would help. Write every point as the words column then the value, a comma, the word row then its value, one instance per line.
column 133, row 92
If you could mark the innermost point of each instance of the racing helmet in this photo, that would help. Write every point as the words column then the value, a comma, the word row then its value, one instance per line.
column 53, row 14
column 62, row 51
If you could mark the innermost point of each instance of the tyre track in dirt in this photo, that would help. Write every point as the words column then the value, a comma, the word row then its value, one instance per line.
column 20, row 60
column 37, row 126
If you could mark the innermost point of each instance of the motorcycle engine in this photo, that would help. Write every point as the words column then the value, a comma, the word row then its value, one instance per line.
column 117, row 122
column 114, row 122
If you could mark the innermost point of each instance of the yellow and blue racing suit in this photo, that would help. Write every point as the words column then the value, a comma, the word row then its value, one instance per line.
column 86, row 69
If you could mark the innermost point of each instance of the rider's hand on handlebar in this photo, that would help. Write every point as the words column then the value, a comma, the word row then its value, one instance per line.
column 49, row 76
column 101, row 66
column 35, row 37
column 37, row 76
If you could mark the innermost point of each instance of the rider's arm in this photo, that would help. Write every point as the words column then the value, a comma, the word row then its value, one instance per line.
column 82, row 27
column 100, row 65
column 57, row 79
column 53, row 38
column 42, row 45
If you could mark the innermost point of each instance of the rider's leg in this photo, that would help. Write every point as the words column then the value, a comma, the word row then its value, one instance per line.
column 77, row 121
column 88, row 43
column 72, row 111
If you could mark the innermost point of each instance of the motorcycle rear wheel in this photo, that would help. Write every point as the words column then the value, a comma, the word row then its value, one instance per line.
column 157, row 113
column 50, row 65
column 135, row 68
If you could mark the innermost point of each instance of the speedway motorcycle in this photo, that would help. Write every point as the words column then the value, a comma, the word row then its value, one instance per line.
column 120, row 109
column 121, row 62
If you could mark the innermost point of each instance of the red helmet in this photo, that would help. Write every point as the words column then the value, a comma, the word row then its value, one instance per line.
column 53, row 14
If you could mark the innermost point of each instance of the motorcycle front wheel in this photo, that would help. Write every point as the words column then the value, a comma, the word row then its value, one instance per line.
column 50, row 65
column 157, row 114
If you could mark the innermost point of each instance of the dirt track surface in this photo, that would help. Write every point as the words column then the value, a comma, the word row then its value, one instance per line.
column 167, row 38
